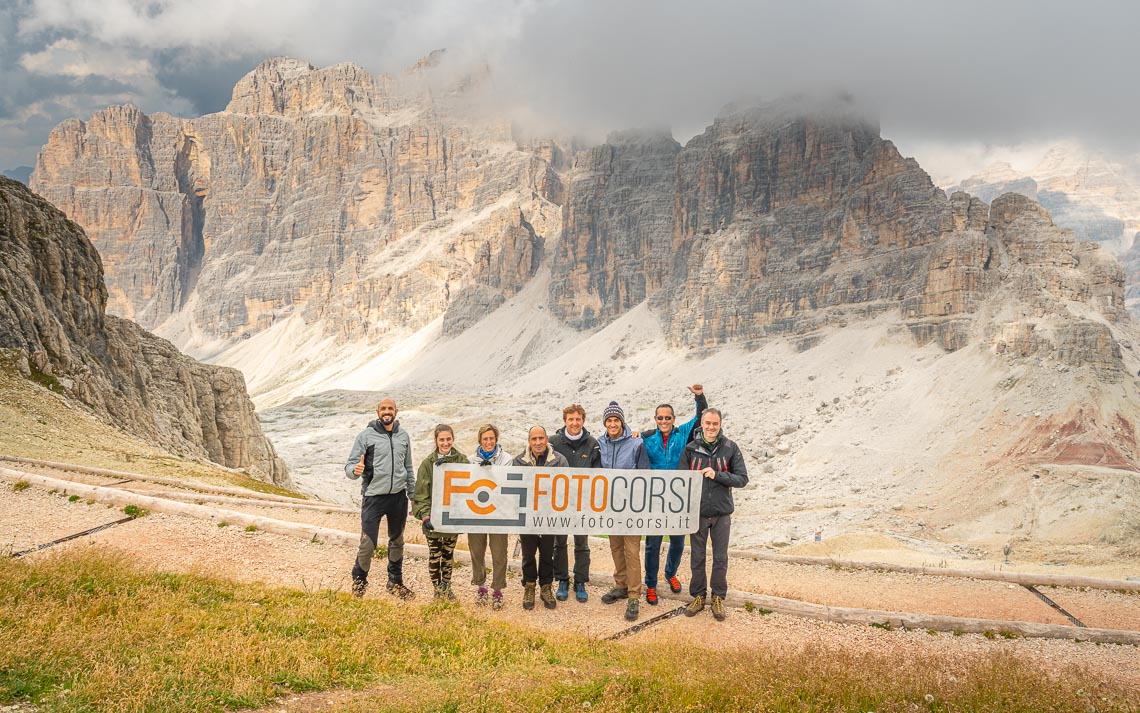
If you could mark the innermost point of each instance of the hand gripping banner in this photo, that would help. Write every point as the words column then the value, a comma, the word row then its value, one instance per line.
column 564, row 501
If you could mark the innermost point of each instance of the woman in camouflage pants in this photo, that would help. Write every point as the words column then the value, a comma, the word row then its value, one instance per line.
column 441, row 547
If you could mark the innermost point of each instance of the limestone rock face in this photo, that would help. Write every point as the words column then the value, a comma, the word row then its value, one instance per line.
column 784, row 222
column 53, row 308
column 359, row 204
column 616, row 246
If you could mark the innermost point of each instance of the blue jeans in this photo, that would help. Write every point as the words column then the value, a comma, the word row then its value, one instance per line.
column 653, row 557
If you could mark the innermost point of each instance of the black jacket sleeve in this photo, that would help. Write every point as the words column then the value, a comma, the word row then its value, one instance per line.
column 737, row 475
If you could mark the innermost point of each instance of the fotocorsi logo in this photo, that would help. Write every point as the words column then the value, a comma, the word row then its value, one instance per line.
column 476, row 502
column 481, row 490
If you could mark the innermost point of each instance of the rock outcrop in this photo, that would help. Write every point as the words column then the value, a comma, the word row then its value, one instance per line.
column 784, row 221
column 53, row 311
column 1098, row 198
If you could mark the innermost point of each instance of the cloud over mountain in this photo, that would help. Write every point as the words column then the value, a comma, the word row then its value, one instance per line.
column 998, row 73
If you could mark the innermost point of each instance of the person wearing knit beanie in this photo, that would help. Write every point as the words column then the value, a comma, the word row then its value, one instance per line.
column 620, row 449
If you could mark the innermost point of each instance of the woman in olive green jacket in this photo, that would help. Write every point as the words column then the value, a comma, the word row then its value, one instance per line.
column 441, row 547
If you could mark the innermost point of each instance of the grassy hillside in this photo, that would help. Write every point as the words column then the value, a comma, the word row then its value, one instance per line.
column 38, row 422
column 87, row 630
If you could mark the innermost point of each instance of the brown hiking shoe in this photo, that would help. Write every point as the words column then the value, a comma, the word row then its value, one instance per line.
column 359, row 587
column 398, row 590
column 528, row 596
column 695, row 606
column 547, row 596
column 718, row 607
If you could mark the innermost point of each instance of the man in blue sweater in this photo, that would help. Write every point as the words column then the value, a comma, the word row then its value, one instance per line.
column 663, row 445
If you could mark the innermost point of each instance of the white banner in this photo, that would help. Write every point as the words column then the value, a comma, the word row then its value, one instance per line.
column 564, row 501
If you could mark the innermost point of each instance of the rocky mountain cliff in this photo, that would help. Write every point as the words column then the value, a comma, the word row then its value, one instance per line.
column 331, row 211
column 53, row 313
column 358, row 204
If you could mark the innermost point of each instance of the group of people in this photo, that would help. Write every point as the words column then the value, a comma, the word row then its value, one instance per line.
column 382, row 457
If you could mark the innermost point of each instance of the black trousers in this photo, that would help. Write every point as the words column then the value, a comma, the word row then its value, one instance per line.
column 581, row 558
column 715, row 528
column 374, row 507
column 543, row 570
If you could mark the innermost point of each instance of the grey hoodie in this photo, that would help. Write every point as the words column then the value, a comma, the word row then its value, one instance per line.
column 387, row 460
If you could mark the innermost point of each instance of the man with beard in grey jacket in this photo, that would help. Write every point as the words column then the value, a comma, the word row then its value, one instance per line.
column 382, row 456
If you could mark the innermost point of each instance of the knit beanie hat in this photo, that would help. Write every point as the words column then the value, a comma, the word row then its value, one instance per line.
column 613, row 410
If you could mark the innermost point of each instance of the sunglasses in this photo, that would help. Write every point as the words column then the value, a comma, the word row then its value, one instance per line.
column 663, row 418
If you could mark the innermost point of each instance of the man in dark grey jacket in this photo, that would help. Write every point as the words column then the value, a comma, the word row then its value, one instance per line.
column 382, row 456
column 722, row 466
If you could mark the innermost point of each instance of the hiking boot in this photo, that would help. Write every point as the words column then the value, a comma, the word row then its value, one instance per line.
column 563, row 590
column 547, row 597
column 497, row 601
column 528, row 596
column 675, row 584
column 448, row 593
column 359, row 587
column 580, row 592
column 614, row 595
column 481, row 597
column 631, row 610
column 651, row 595
column 398, row 590
column 695, row 606
column 718, row 607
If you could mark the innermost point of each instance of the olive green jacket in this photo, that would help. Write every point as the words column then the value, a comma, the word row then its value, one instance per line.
column 421, row 504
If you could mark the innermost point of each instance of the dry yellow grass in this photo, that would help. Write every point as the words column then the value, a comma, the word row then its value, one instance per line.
column 87, row 630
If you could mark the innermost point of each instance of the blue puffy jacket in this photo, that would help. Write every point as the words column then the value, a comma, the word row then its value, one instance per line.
column 665, row 457
column 625, row 451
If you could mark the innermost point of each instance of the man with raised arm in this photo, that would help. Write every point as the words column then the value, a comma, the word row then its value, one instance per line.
column 580, row 449
column 382, row 456
column 722, row 467
column 663, row 445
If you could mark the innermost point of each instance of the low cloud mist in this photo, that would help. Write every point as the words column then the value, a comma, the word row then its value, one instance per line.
column 985, row 75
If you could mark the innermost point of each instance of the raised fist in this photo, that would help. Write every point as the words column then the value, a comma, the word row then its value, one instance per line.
column 697, row 389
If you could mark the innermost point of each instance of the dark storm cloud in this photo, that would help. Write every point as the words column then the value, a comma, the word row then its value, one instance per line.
column 204, row 78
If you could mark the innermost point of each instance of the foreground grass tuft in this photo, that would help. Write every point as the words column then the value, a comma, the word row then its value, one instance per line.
column 86, row 630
